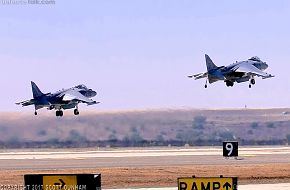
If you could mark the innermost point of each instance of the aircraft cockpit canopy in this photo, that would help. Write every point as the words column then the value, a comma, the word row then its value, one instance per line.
column 255, row 58
column 81, row 86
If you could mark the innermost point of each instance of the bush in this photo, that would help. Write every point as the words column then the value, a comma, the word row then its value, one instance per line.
column 136, row 137
column 254, row 125
column 113, row 137
column 187, row 136
column 227, row 135
column 133, row 129
column 42, row 133
column 199, row 122
column 160, row 138
column 288, row 138
column 75, row 136
column 270, row 125
column 250, row 132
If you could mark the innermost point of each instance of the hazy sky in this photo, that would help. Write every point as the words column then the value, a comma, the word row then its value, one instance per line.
column 137, row 54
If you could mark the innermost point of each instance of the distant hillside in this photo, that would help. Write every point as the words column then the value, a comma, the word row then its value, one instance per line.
column 146, row 128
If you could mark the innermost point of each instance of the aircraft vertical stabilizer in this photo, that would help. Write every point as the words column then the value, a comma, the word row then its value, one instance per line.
column 209, row 64
column 35, row 90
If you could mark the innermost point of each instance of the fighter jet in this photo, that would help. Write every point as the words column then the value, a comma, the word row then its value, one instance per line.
column 241, row 71
column 63, row 99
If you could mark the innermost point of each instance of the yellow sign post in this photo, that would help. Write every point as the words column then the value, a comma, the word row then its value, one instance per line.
column 207, row 183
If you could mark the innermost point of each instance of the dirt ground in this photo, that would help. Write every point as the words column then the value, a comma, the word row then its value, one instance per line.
column 129, row 177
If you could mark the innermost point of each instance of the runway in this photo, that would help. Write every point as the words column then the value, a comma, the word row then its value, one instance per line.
column 244, row 151
column 138, row 157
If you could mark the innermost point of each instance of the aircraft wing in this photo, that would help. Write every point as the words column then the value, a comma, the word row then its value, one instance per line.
column 72, row 94
column 26, row 102
column 251, row 69
column 198, row 76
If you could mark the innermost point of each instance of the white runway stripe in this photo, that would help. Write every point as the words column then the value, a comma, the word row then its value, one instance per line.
column 141, row 153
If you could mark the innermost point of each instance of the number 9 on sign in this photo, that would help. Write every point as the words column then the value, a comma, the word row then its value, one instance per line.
column 230, row 149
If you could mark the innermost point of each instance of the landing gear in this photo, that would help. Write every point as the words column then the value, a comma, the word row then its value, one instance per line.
column 205, row 86
column 229, row 83
column 76, row 112
column 59, row 113
column 35, row 113
column 252, row 82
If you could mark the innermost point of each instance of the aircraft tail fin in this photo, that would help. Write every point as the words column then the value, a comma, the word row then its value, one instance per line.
column 35, row 90
column 209, row 64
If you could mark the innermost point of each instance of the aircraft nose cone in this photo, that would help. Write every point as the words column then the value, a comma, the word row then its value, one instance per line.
column 93, row 93
column 265, row 65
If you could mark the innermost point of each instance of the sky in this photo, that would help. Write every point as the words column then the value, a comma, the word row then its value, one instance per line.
column 137, row 54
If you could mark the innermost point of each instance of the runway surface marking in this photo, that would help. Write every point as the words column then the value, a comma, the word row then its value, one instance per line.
column 141, row 153
column 280, row 186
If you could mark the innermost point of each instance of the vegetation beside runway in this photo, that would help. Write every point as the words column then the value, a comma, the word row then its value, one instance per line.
column 146, row 128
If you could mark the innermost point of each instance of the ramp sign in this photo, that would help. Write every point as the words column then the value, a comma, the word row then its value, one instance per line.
column 207, row 183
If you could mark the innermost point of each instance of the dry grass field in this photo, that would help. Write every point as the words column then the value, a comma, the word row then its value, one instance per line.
column 165, row 176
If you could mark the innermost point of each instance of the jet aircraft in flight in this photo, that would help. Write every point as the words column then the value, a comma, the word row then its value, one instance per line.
column 63, row 99
column 241, row 71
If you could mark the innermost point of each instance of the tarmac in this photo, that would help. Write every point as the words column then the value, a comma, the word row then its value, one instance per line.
column 10, row 160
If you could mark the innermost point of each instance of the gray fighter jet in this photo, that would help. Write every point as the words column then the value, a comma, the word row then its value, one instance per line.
column 63, row 99
column 241, row 71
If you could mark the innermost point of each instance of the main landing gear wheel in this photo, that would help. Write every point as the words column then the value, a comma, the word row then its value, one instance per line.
column 76, row 112
column 229, row 83
column 252, row 82
column 59, row 113
column 205, row 86
column 35, row 113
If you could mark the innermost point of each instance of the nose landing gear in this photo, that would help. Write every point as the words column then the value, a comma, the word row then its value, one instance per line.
column 59, row 113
